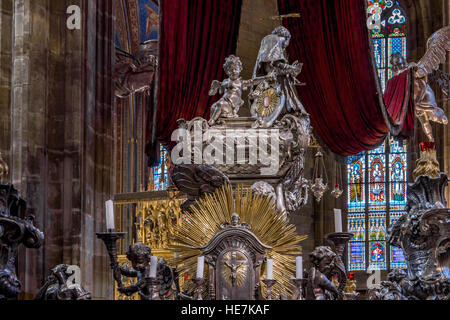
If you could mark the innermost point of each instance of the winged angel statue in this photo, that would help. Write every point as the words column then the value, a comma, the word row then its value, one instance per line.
column 425, row 70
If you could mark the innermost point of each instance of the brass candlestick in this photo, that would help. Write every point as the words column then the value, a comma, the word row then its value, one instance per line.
column 269, row 284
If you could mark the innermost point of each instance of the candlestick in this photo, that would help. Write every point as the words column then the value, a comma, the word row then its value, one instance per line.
column 337, row 220
column 200, row 267
column 269, row 284
column 110, row 239
column 299, row 267
column 109, row 215
column 199, row 288
column 269, row 269
column 338, row 242
column 153, row 266
column 299, row 285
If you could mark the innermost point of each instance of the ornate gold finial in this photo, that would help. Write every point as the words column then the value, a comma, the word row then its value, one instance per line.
column 427, row 164
column 4, row 169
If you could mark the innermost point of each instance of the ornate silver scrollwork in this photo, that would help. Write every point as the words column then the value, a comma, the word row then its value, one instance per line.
column 423, row 234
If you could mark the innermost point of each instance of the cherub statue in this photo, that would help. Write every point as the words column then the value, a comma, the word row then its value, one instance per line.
column 228, row 106
column 424, row 98
column 390, row 289
column 58, row 286
column 140, row 255
column 325, row 264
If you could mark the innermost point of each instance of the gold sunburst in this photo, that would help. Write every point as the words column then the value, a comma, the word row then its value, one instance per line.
column 213, row 210
column 267, row 102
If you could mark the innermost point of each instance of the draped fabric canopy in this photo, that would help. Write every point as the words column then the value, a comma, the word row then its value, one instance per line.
column 195, row 38
column 342, row 92
column 399, row 101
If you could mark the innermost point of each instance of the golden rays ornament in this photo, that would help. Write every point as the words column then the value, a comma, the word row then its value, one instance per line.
column 267, row 102
column 208, row 217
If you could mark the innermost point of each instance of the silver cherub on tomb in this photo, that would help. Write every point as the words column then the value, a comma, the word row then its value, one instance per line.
column 271, row 98
column 228, row 106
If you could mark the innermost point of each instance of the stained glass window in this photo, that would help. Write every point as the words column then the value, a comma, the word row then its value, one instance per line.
column 160, row 174
column 387, row 23
column 376, row 198
column 377, row 179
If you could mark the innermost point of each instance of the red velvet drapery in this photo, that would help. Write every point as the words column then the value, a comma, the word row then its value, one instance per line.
column 195, row 38
column 342, row 92
column 399, row 101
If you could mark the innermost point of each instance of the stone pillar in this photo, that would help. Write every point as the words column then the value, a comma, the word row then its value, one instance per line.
column 6, row 8
column 97, row 141
column 61, row 135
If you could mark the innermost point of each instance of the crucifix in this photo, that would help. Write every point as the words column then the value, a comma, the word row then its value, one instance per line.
column 234, row 266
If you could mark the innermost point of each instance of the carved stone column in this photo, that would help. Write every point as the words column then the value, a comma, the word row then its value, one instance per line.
column 61, row 101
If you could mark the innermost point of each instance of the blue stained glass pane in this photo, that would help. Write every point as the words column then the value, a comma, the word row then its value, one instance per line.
column 397, row 255
column 398, row 166
column 357, row 256
column 379, row 47
column 356, row 187
column 377, row 256
column 377, row 196
column 161, row 173
column 397, row 45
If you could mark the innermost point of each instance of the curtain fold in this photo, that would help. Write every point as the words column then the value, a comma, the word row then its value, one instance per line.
column 195, row 38
column 342, row 92
column 399, row 101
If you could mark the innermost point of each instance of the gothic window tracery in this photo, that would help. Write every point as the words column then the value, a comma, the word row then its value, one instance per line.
column 376, row 192
column 387, row 24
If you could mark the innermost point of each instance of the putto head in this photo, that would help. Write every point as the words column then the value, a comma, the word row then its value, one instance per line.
column 233, row 66
column 398, row 62
column 323, row 258
column 139, row 254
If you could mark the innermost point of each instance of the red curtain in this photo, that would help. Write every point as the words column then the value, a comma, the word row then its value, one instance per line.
column 342, row 92
column 399, row 101
column 195, row 38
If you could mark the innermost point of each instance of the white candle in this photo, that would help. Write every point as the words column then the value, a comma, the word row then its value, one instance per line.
column 269, row 269
column 337, row 220
column 153, row 266
column 200, row 267
column 109, row 215
column 299, row 267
